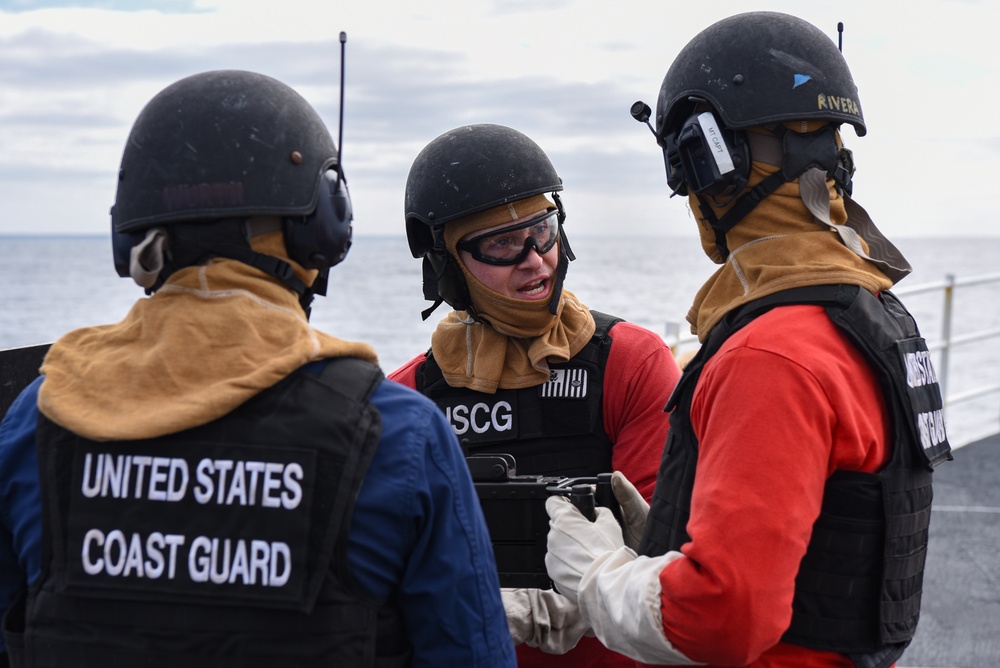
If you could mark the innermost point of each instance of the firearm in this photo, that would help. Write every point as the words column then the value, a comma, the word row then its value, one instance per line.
column 514, row 507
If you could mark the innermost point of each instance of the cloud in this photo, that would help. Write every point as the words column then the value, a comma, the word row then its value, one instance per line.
column 74, row 75
column 392, row 107
column 165, row 6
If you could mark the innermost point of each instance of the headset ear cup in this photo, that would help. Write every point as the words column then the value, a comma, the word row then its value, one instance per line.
column 321, row 239
column 418, row 237
column 430, row 276
column 443, row 278
column 338, row 233
column 695, row 152
column 122, row 244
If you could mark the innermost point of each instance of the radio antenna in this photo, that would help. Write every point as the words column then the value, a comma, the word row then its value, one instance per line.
column 840, row 36
column 340, row 135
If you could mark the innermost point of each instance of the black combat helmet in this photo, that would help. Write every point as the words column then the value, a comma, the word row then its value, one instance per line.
column 464, row 171
column 760, row 68
column 757, row 69
column 219, row 147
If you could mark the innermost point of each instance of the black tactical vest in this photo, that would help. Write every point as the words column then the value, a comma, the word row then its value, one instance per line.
column 556, row 428
column 858, row 587
column 225, row 544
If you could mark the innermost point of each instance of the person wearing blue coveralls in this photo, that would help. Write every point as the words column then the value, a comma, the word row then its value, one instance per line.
column 211, row 481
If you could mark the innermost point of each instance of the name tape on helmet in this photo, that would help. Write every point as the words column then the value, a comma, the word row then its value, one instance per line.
column 713, row 137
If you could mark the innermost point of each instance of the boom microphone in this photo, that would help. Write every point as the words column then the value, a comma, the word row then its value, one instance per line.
column 640, row 111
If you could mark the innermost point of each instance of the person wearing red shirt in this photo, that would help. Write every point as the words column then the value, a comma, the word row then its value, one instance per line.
column 521, row 366
column 788, row 525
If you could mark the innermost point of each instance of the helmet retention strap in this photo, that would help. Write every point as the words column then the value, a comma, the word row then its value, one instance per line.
column 192, row 244
column 795, row 154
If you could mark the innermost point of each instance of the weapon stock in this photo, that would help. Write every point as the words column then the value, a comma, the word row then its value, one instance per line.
column 514, row 508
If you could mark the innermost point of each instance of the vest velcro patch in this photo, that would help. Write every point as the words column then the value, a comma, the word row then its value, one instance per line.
column 565, row 384
column 923, row 401
column 191, row 520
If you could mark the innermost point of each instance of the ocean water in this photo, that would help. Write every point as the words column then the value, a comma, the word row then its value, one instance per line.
column 50, row 285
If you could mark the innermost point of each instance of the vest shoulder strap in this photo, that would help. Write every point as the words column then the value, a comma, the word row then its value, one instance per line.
column 735, row 320
column 604, row 323
column 353, row 377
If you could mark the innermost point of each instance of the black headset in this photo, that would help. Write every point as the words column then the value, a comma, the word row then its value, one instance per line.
column 321, row 239
column 706, row 158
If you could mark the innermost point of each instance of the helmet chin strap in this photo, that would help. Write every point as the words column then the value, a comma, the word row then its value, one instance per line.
column 566, row 255
column 162, row 253
column 797, row 155
column 434, row 271
column 775, row 152
column 443, row 280
column 793, row 153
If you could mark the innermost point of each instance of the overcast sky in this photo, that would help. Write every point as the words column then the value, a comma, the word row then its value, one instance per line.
column 73, row 76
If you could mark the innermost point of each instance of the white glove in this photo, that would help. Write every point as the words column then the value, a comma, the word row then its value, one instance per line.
column 574, row 542
column 542, row 618
column 634, row 509
column 618, row 592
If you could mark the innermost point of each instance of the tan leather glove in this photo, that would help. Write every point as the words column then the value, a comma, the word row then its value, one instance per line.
column 634, row 509
column 542, row 618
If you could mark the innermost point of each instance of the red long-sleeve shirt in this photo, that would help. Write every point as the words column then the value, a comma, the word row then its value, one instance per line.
column 784, row 403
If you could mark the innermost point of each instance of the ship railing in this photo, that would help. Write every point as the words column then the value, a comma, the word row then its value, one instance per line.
column 944, row 344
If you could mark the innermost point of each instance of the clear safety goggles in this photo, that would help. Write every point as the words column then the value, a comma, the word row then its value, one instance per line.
column 510, row 245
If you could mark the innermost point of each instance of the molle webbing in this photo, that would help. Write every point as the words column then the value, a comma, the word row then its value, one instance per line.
column 859, row 585
column 549, row 429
